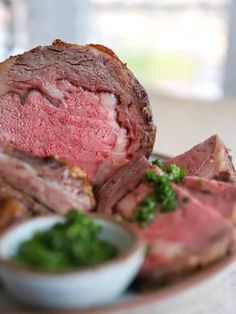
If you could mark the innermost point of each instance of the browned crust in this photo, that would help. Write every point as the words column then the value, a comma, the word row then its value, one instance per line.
column 104, row 49
column 59, row 42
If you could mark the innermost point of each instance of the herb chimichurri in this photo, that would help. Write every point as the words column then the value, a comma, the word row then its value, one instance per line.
column 69, row 244
column 163, row 193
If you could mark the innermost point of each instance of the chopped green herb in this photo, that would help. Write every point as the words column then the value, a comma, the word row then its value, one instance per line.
column 175, row 173
column 152, row 176
column 158, row 162
column 163, row 193
column 67, row 245
column 145, row 212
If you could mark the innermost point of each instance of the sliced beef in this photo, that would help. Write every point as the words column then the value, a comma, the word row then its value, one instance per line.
column 209, row 159
column 16, row 206
column 219, row 195
column 121, row 183
column 51, row 183
column 128, row 203
column 11, row 211
column 34, row 208
column 178, row 242
column 77, row 103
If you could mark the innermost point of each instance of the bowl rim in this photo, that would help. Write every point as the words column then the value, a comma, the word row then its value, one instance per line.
column 135, row 247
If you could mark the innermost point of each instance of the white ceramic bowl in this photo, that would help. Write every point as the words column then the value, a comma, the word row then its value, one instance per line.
column 79, row 288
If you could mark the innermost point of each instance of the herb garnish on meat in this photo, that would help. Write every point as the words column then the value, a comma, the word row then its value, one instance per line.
column 163, row 193
column 145, row 211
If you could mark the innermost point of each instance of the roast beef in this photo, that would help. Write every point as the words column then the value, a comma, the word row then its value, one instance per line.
column 79, row 104
column 73, row 115
column 121, row 183
column 49, row 182
column 201, row 229
column 192, row 235
column 219, row 195
column 11, row 211
column 33, row 208
column 209, row 159
column 16, row 206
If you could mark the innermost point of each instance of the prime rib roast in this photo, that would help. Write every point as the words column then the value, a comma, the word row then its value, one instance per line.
column 71, row 117
column 77, row 103
column 77, row 131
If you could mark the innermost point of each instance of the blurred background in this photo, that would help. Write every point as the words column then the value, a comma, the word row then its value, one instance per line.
column 182, row 51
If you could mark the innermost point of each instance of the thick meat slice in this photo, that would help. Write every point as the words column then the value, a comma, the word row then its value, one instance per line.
column 11, row 211
column 209, row 159
column 49, row 182
column 177, row 242
column 78, row 103
column 33, row 208
column 16, row 206
column 219, row 195
column 127, row 204
column 122, row 182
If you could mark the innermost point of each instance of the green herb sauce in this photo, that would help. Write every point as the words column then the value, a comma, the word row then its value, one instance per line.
column 145, row 211
column 175, row 173
column 70, row 244
column 163, row 193
column 158, row 162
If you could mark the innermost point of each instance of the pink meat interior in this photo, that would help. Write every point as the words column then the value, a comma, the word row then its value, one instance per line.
column 81, row 129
